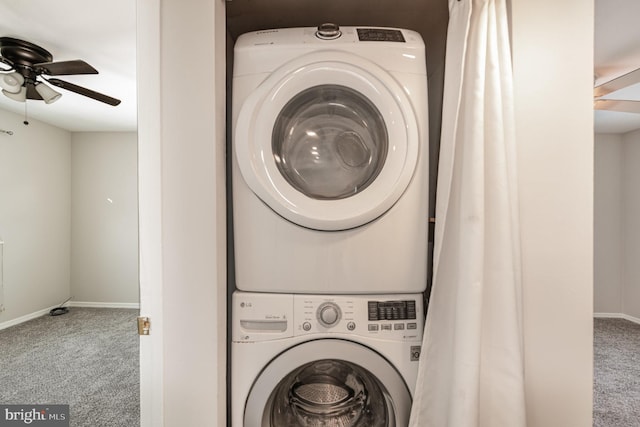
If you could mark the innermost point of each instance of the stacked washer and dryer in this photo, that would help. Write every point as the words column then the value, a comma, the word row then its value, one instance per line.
column 330, row 192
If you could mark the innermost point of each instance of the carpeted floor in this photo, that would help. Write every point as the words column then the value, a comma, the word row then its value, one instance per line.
column 87, row 358
column 616, row 394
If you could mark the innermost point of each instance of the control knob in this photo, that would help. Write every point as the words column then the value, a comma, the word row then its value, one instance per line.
column 329, row 314
column 328, row 31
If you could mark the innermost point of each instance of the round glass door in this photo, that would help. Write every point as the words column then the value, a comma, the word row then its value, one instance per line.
column 329, row 393
column 330, row 142
column 328, row 382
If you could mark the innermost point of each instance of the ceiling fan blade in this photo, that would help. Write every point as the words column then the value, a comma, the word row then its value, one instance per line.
column 617, row 105
column 65, row 68
column 84, row 91
column 618, row 83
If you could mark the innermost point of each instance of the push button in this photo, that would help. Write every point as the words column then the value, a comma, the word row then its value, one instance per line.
column 415, row 353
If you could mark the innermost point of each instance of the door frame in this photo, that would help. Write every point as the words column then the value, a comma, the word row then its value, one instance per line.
column 150, row 208
column 182, row 203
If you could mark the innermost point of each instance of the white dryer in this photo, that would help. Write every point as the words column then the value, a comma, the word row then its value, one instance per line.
column 312, row 360
column 330, row 158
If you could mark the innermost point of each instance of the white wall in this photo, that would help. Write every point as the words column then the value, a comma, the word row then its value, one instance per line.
column 631, row 224
column 617, row 227
column 104, row 215
column 608, row 224
column 553, row 77
column 62, row 236
column 34, row 215
column 194, row 203
column 148, row 52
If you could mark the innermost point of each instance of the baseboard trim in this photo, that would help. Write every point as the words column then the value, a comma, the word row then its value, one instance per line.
column 25, row 318
column 617, row 316
column 87, row 304
column 90, row 304
column 608, row 315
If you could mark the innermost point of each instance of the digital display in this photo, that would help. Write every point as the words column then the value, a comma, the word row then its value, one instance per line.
column 392, row 310
column 380, row 35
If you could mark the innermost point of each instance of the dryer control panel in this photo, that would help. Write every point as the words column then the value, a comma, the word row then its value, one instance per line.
column 263, row 317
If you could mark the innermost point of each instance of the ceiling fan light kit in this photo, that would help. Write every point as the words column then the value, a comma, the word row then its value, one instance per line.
column 29, row 62
column 48, row 95
column 20, row 96
column 12, row 82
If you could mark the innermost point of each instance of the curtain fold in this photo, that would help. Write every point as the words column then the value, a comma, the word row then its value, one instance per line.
column 471, row 367
column 1, row 275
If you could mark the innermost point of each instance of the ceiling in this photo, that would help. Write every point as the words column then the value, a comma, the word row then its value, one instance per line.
column 617, row 52
column 103, row 34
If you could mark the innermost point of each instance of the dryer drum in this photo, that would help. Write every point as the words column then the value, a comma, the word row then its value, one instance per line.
column 329, row 393
column 330, row 142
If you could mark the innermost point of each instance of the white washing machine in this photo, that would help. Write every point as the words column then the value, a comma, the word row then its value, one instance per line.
column 314, row 360
column 330, row 146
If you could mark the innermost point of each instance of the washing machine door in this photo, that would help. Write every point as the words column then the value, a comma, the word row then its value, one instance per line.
column 328, row 382
column 329, row 141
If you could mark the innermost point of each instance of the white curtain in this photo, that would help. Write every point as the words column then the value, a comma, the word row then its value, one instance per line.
column 1, row 275
column 471, row 367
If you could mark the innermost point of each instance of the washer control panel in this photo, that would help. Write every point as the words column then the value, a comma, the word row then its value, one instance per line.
column 386, row 316
column 392, row 310
column 262, row 317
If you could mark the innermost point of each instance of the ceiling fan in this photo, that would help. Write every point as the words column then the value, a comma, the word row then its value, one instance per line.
column 624, row 81
column 28, row 66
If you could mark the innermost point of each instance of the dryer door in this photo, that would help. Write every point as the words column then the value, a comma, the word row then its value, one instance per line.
column 328, row 382
column 329, row 141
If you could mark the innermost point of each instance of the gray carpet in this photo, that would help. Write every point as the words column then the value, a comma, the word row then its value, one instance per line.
column 616, row 395
column 87, row 358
